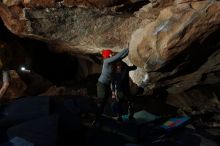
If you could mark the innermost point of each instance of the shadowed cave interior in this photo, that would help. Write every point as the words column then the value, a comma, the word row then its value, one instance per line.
column 60, row 70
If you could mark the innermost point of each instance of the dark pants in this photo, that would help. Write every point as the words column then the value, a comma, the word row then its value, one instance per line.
column 103, row 92
column 117, row 105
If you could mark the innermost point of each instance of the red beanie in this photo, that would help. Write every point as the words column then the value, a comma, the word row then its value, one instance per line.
column 106, row 53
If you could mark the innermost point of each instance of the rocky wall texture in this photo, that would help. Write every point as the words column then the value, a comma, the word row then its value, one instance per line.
column 181, row 46
column 175, row 42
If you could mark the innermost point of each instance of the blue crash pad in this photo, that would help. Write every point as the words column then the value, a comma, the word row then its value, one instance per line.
column 144, row 116
column 175, row 122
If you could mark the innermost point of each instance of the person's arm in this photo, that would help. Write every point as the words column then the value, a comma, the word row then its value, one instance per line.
column 5, row 83
column 133, row 67
column 118, row 56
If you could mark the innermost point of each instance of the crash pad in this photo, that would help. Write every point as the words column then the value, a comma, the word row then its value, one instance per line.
column 175, row 122
column 144, row 116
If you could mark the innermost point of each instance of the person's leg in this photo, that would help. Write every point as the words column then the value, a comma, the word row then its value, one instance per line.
column 130, row 110
column 130, row 107
column 102, row 95
column 114, row 107
column 120, row 101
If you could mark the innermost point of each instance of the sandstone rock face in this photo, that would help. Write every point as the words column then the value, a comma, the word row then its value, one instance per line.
column 76, row 30
column 175, row 29
column 170, row 45
column 93, row 3
column 175, row 42
column 11, row 2
column 16, row 88
column 39, row 3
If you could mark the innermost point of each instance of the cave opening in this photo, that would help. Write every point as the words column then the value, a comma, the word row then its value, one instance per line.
column 58, row 68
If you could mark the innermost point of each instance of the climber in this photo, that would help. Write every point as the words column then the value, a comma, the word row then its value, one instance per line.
column 5, row 84
column 5, row 56
column 103, row 85
column 121, row 89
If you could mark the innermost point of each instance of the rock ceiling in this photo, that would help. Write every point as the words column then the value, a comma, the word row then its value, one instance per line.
column 175, row 41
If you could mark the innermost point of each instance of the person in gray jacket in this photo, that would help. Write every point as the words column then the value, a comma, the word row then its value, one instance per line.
column 104, row 80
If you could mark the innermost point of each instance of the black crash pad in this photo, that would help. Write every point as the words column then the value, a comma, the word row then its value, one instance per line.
column 24, row 109
column 129, row 131
column 39, row 132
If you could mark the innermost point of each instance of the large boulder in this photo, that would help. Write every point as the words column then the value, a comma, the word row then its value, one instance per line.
column 175, row 42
